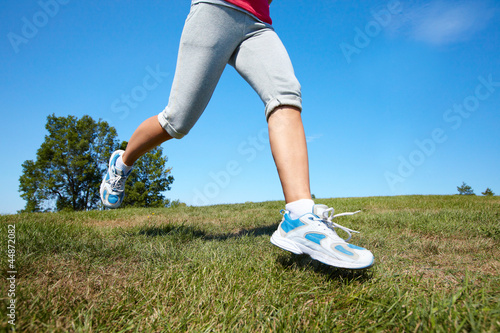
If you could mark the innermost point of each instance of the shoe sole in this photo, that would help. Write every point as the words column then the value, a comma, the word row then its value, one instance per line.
column 296, row 248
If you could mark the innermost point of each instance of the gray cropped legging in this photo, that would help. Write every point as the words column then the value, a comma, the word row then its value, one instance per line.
column 214, row 36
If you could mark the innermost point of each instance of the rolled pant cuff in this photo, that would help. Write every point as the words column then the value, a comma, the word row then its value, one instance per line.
column 289, row 100
column 165, row 124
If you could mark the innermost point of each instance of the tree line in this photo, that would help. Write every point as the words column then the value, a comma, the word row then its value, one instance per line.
column 465, row 189
column 72, row 160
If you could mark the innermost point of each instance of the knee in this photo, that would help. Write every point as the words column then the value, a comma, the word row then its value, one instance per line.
column 174, row 127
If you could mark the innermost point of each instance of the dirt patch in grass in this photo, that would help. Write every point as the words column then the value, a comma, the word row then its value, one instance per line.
column 133, row 221
column 74, row 290
column 384, row 210
column 70, row 278
column 447, row 260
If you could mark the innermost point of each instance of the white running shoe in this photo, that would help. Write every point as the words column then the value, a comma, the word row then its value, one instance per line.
column 314, row 234
column 113, row 185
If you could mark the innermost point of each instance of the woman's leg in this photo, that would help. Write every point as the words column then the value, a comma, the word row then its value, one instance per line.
column 289, row 148
column 147, row 136
column 263, row 62
column 209, row 37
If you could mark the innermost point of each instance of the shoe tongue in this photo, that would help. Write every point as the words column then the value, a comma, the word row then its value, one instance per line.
column 119, row 171
column 319, row 209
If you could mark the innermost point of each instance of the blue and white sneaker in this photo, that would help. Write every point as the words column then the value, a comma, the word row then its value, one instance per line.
column 113, row 185
column 314, row 234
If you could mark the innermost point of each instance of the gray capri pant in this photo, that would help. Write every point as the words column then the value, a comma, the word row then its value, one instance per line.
column 214, row 36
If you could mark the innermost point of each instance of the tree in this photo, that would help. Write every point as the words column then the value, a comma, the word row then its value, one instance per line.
column 69, row 165
column 488, row 192
column 147, row 180
column 465, row 189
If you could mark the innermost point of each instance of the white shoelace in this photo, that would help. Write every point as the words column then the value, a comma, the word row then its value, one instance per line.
column 117, row 182
column 328, row 216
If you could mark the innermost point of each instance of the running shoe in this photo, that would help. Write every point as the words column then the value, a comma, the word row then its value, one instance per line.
column 314, row 234
column 113, row 185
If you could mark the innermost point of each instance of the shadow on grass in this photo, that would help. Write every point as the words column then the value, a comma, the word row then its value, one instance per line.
column 191, row 233
column 303, row 261
column 183, row 233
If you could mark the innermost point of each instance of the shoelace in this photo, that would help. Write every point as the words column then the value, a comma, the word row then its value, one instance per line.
column 328, row 216
column 117, row 182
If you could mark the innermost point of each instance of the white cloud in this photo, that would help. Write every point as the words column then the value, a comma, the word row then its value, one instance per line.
column 443, row 22
column 311, row 138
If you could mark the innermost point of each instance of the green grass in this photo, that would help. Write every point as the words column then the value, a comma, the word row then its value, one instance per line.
column 212, row 269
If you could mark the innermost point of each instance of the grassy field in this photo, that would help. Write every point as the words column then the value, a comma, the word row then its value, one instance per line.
column 213, row 269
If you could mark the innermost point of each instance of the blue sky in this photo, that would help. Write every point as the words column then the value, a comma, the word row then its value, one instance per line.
column 399, row 97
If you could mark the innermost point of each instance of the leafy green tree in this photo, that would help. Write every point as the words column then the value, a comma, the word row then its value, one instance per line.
column 69, row 165
column 465, row 189
column 29, row 184
column 147, row 180
column 488, row 192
